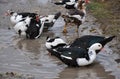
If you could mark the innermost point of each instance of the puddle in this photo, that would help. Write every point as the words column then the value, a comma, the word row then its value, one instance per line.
column 26, row 56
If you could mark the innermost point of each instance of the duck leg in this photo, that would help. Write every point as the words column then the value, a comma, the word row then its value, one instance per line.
column 77, row 28
column 65, row 28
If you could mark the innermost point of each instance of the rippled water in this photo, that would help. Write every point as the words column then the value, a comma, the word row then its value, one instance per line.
column 26, row 56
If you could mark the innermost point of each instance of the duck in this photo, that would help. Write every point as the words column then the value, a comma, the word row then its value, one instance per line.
column 35, row 29
column 75, row 16
column 87, row 40
column 68, row 4
column 62, row 2
column 49, row 20
column 55, row 42
column 77, row 56
column 21, row 27
column 83, row 42
column 17, row 17
column 71, row 4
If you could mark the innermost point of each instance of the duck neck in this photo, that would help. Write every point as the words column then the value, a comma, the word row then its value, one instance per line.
column 83, row 10
column 92, row 55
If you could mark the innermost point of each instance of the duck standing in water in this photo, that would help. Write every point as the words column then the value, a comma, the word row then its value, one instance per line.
column 76, row 56
column 83, row 42
column 17, row 17
column 49, row 20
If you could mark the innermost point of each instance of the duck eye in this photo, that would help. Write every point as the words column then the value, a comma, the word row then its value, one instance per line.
column 98, row 45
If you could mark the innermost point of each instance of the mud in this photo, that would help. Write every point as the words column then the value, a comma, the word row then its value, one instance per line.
column 28, row 59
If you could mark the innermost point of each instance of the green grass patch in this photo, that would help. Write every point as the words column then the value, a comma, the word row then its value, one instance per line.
column 98, row 10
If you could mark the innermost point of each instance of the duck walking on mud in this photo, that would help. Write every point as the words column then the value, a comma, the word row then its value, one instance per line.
column 75, row 16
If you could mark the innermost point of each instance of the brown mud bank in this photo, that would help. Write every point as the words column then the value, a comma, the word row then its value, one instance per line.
column 22, row 58
column 108, row 15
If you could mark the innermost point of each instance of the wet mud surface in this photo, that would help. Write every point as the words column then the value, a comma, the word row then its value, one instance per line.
column 28, row 59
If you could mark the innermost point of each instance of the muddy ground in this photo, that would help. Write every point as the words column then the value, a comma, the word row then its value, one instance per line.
column 28, row 59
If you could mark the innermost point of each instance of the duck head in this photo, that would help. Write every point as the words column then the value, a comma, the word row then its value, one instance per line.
column 10, row 13
column 96, row 46
column 81, row 4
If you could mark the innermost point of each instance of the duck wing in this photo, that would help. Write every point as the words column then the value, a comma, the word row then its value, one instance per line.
column 25, row 14
column 73, row 53
column 75, row 12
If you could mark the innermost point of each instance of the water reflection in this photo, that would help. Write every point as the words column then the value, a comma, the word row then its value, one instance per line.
column 94, row 71
column 30, row 56
column 42, row 1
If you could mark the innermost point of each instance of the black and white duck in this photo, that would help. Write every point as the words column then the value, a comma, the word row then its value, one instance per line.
column 76, row 56
column 83, row 42
column 68, row 4
column 50, row 19
column 55, row 42
column 35, row 29
column 17, row 17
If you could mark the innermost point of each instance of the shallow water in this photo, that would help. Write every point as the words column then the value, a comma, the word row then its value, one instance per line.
column 25, row 56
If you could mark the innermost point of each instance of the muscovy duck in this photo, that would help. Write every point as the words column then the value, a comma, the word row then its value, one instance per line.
column 68, row 4
column 83, row 42
column 76, row 56
column 49, row 20
column 17, row 17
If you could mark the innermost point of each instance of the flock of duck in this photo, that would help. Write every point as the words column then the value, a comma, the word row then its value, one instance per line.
column 82, row 51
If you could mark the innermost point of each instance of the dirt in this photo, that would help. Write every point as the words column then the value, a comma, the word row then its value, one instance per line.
column 107, row 13
column 21, row 58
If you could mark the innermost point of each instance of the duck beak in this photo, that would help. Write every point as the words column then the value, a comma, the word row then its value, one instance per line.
column 102, row 48
column 6, row 14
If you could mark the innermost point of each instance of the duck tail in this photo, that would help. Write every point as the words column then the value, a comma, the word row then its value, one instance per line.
column 106, row 40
